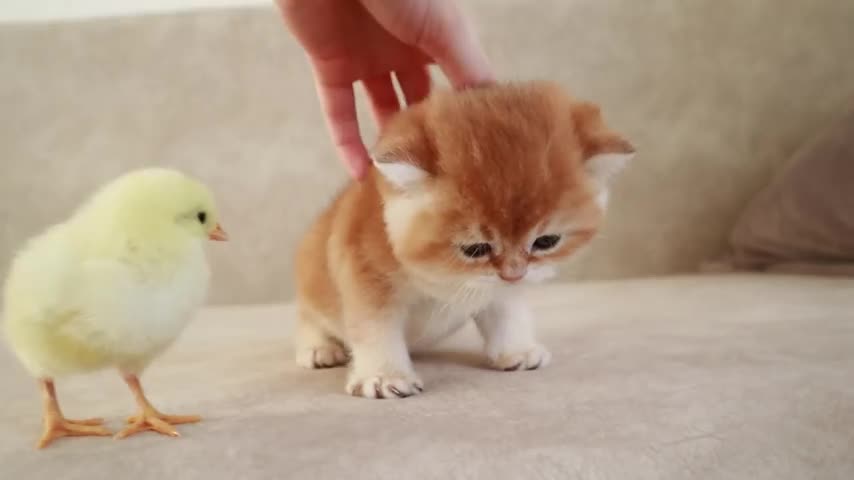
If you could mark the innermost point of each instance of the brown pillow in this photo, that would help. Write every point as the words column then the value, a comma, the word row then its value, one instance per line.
column 803, row 221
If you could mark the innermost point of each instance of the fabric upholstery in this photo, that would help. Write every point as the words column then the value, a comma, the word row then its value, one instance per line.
column 736, row 377
column 714, row 94
column 708, row 377
column 804, row 220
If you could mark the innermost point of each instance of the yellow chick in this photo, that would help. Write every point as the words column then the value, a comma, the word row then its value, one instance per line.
column 113, row 286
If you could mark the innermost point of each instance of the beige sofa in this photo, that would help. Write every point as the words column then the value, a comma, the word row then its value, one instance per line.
column 658, row 372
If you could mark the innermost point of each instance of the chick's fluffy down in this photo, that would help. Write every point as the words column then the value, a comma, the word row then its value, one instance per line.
column 68, row 311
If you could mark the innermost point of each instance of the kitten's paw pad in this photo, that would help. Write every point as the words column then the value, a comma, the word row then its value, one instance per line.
column 385, row 386
column 531, row 359
column 324, row 356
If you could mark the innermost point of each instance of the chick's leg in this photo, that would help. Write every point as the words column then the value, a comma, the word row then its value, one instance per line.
column 149, row 418
column 57, row 426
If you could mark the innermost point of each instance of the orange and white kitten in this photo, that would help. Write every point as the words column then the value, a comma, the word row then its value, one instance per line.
column 472, row 194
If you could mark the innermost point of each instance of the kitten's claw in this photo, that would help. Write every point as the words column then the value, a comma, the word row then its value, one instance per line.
column 512, row 368
column 325, row 356
column 385, row 386
column 531, row 359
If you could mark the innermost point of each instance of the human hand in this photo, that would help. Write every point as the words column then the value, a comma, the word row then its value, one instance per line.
column 372, row 40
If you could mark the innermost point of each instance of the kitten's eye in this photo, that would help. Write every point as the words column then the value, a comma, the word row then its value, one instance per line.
column 476, row 250
column 202, row 216
column 546, row 242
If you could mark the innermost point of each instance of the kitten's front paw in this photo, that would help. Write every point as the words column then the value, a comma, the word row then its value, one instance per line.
column 322, row 356
column 531, row 359
column 395, row 385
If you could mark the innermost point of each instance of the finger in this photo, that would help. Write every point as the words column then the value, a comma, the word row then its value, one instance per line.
column 459, row 55
column 415, row 84
column 441, row 31
column 384, row 101
column 339, row 107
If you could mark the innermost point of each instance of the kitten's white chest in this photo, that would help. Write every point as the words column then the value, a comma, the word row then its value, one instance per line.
column 440, row 312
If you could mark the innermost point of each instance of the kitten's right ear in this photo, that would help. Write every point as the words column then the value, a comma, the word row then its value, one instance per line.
column 401, row 153
column 399, row 168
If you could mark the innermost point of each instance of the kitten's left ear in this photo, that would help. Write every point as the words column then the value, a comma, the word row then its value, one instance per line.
column 605, row 152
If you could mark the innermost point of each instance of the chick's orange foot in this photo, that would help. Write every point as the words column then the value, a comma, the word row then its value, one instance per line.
column 55, row 427
column 148, row 417
column 151, row 419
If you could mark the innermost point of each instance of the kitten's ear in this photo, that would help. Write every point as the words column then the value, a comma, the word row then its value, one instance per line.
column 605, row 152
column 401, row 152
column 399, row 168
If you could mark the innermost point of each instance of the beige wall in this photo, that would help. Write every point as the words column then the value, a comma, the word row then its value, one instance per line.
column 49, row 10
column 713, row 93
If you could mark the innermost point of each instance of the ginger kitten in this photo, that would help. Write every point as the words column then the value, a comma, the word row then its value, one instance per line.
column 473, row 193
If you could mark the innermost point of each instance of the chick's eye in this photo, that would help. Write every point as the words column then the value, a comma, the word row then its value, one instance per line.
column 476, row 250
column 202, row 216
column 546, row 242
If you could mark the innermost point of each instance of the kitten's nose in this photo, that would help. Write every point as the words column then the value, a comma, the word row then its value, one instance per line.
column 513, row 271
column 511, row 278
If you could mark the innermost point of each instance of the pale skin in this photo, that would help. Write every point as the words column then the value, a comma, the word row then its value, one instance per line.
column 376, row 42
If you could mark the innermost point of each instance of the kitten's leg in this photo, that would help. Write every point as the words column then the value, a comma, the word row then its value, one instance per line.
column 314, row 347
column 381, row 367
column 508, row 332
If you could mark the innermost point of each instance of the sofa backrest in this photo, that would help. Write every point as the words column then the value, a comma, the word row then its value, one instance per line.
column 715, row 94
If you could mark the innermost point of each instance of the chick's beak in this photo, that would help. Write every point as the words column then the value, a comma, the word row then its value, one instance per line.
column 218, row 234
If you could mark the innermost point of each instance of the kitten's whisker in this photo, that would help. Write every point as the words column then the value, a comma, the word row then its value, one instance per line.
column 452, row 299
column 471, row 294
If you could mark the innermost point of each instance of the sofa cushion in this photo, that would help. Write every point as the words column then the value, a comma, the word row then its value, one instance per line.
column 803, row 221
column 745, row 376
column 226, row 95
